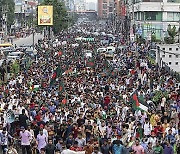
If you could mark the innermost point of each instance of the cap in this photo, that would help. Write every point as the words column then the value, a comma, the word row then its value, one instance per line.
column 22, row 127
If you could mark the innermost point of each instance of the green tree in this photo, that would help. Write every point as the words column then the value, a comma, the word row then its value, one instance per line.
column 61, row 19
column 8, row 6
column 172, row 33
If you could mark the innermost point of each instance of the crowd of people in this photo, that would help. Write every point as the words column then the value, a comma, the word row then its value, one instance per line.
column 64, row 104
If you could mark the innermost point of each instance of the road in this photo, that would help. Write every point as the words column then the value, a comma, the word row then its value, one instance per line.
column 28, row 40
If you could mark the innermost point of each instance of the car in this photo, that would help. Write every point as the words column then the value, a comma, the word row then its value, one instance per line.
column 110, row 53
column 30, row 52
column 6, row 51
column 101, row 50
column 25, row 46
column 15, row 55
column 12, row 58
column 111, row 49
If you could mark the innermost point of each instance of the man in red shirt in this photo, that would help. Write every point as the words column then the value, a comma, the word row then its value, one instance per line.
column 75, row 147
column 158, row 130
column 106, row 100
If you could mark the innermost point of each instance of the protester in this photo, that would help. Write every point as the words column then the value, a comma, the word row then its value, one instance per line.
column 25, row 137
column 68, row 102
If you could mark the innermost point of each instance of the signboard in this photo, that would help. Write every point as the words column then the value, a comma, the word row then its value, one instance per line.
column 45, row 15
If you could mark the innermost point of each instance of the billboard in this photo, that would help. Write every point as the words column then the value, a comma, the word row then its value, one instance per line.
column 45, row 15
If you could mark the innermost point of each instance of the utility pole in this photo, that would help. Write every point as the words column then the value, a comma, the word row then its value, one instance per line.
column 179, row 33
column 33, row 38
column 4, row 22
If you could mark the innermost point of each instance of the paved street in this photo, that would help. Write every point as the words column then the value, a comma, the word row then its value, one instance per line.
column 28, row 40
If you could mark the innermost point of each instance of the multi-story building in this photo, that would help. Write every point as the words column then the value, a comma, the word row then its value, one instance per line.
column 105, row 8
column 91, row 6
column 152, row 17
column 24, row 10
column 70, row 4
column 80, row 5
column 170, row 56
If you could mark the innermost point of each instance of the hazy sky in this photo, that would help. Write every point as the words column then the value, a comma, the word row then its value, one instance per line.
column 91, row 1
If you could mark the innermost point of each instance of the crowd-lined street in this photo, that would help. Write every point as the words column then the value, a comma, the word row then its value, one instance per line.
column 89, row 92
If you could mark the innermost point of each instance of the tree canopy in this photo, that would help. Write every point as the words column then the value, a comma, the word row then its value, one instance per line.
column 9, row 7
column 172, row 33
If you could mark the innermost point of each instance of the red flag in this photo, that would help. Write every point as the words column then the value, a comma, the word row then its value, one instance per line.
column 135, row 98
column 60, row 53
column 60, row 88
column 54, row 75
column 32, row 87
column 64, row 101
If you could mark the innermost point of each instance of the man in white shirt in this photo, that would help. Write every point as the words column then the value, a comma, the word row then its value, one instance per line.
column 163, row 102
column 147, row 128
column 4, row 136
column 26, row 138
column 102, row 129
column 172, row 128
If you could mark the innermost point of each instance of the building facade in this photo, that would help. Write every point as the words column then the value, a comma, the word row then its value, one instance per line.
column 152, row 17
column 106, row 9
column 69, row 4
column 170, row 56
column 80, row 5
column 91, row 6
column 25, row 11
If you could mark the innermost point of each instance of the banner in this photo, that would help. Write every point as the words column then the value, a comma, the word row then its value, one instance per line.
column 45, row 15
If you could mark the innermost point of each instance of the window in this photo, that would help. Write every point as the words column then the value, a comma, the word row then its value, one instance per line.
column 174, row 1
column 163, row 48
column 157, row 16
column 170, row 56
column 110, row 9
column 173, row 16
column 176, row 63
column 104, row 12
column 104, row 6
column 169, row 63
column 177, row 56
column 163, row 56
column 170, row 49
column 176, row 49
column 142, row 16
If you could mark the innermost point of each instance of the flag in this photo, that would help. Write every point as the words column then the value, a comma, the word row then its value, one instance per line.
column 64, row 101
column 36, row 87
column 136, row 103
column 90, row 63
column 61, row 87
column 135, row 98
column 57, row 73
column 60, row 53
